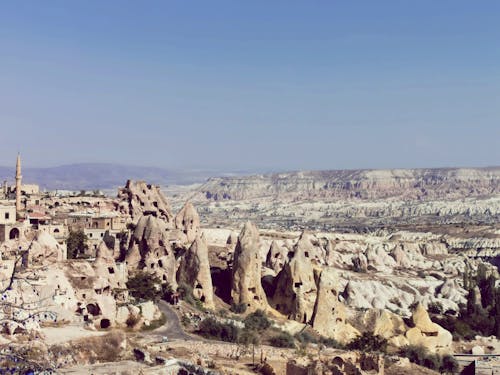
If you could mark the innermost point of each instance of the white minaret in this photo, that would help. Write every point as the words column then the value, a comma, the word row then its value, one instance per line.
column 18, row 184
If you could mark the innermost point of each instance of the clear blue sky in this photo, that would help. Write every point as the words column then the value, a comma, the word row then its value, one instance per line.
column 251, row 84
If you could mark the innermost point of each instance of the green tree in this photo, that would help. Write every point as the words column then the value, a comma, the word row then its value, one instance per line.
column 76, row 243
column 368, row 342
column 257, row 321
column 145, row 286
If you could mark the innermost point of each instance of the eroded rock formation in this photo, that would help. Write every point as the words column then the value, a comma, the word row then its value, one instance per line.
column 194, row 270
column 150, row 249
column 246, row 284
column 295, row 286
column 138, row 198
column 188, row 221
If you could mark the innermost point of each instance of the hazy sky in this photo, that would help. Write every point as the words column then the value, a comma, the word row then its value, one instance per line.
column 251, row 84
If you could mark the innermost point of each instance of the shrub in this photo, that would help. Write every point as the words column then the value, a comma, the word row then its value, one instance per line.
column 249, row 337
column 432, row 361
column 305, row 338
column 257, row 321
column 435, row 308
column 421, row 356
column 282, row 340
column 186, row 293
column 76, row 243
column 132, row 320
column 331, row 343
column 109, row 240
column 144, row 286
column 156, row 323
column 211, row 328
column 449, row 364
column 238, row 308
column 368, row 342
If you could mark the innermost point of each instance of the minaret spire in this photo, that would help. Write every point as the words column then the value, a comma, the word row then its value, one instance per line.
column 19, row 177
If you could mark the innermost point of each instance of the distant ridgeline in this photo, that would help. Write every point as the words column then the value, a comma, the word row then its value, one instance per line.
column 91, row 176
column 420, row 184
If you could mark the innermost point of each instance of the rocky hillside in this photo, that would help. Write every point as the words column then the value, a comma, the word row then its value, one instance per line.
column 421, row 184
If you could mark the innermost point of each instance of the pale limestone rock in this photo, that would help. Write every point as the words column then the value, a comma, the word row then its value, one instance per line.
column 426, row 333
column 246, row 284
column 401, row 258
column 276, row 257
column 360, row 263
column 295, row 286
column 384, row 323
column 399, row 341
column 122, row 314
column 477, row 350
column 329, row 316
column 150, row 249
column 188, row 221
column 105, row 266
column 149, row 311
column 138, row 198
column 194, row 270
column 379, row 259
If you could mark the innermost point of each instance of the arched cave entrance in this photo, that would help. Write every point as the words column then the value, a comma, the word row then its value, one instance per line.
column 14, row 234
column 105, row 323
column 93, row 309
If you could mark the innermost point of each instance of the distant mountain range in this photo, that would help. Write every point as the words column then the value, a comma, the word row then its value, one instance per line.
column 91, row 176
column 421, row 184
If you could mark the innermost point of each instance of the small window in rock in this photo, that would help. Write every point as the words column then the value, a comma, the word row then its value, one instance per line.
column 155, row 204
column 111, row 270
column 306, row 254
column 298, row 285
column 160, row 263
column 152, row 265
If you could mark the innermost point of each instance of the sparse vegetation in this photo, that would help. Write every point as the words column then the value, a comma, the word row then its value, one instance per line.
column 368, row 342
column 145, row 286
column 257, row 321
column 238, row 308
column 156, row 323
column 76, row 244
column 211, row 328
column 421, row 356
column 282, row 340
column 186, row 294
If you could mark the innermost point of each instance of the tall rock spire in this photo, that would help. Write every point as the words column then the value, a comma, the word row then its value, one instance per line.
column 18, row 183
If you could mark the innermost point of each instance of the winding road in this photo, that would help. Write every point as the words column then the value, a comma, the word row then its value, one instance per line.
column 172, row 329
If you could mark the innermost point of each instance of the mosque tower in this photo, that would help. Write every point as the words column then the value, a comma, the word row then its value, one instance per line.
column 18, row 184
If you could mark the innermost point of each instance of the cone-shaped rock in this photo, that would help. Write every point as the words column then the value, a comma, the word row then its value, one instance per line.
column 295, row 286
column 194, row 271
column 329, row 316
column 150, row 249
column 138, row 198
column 188, row 221
column 276, row 257
column 246, row 284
